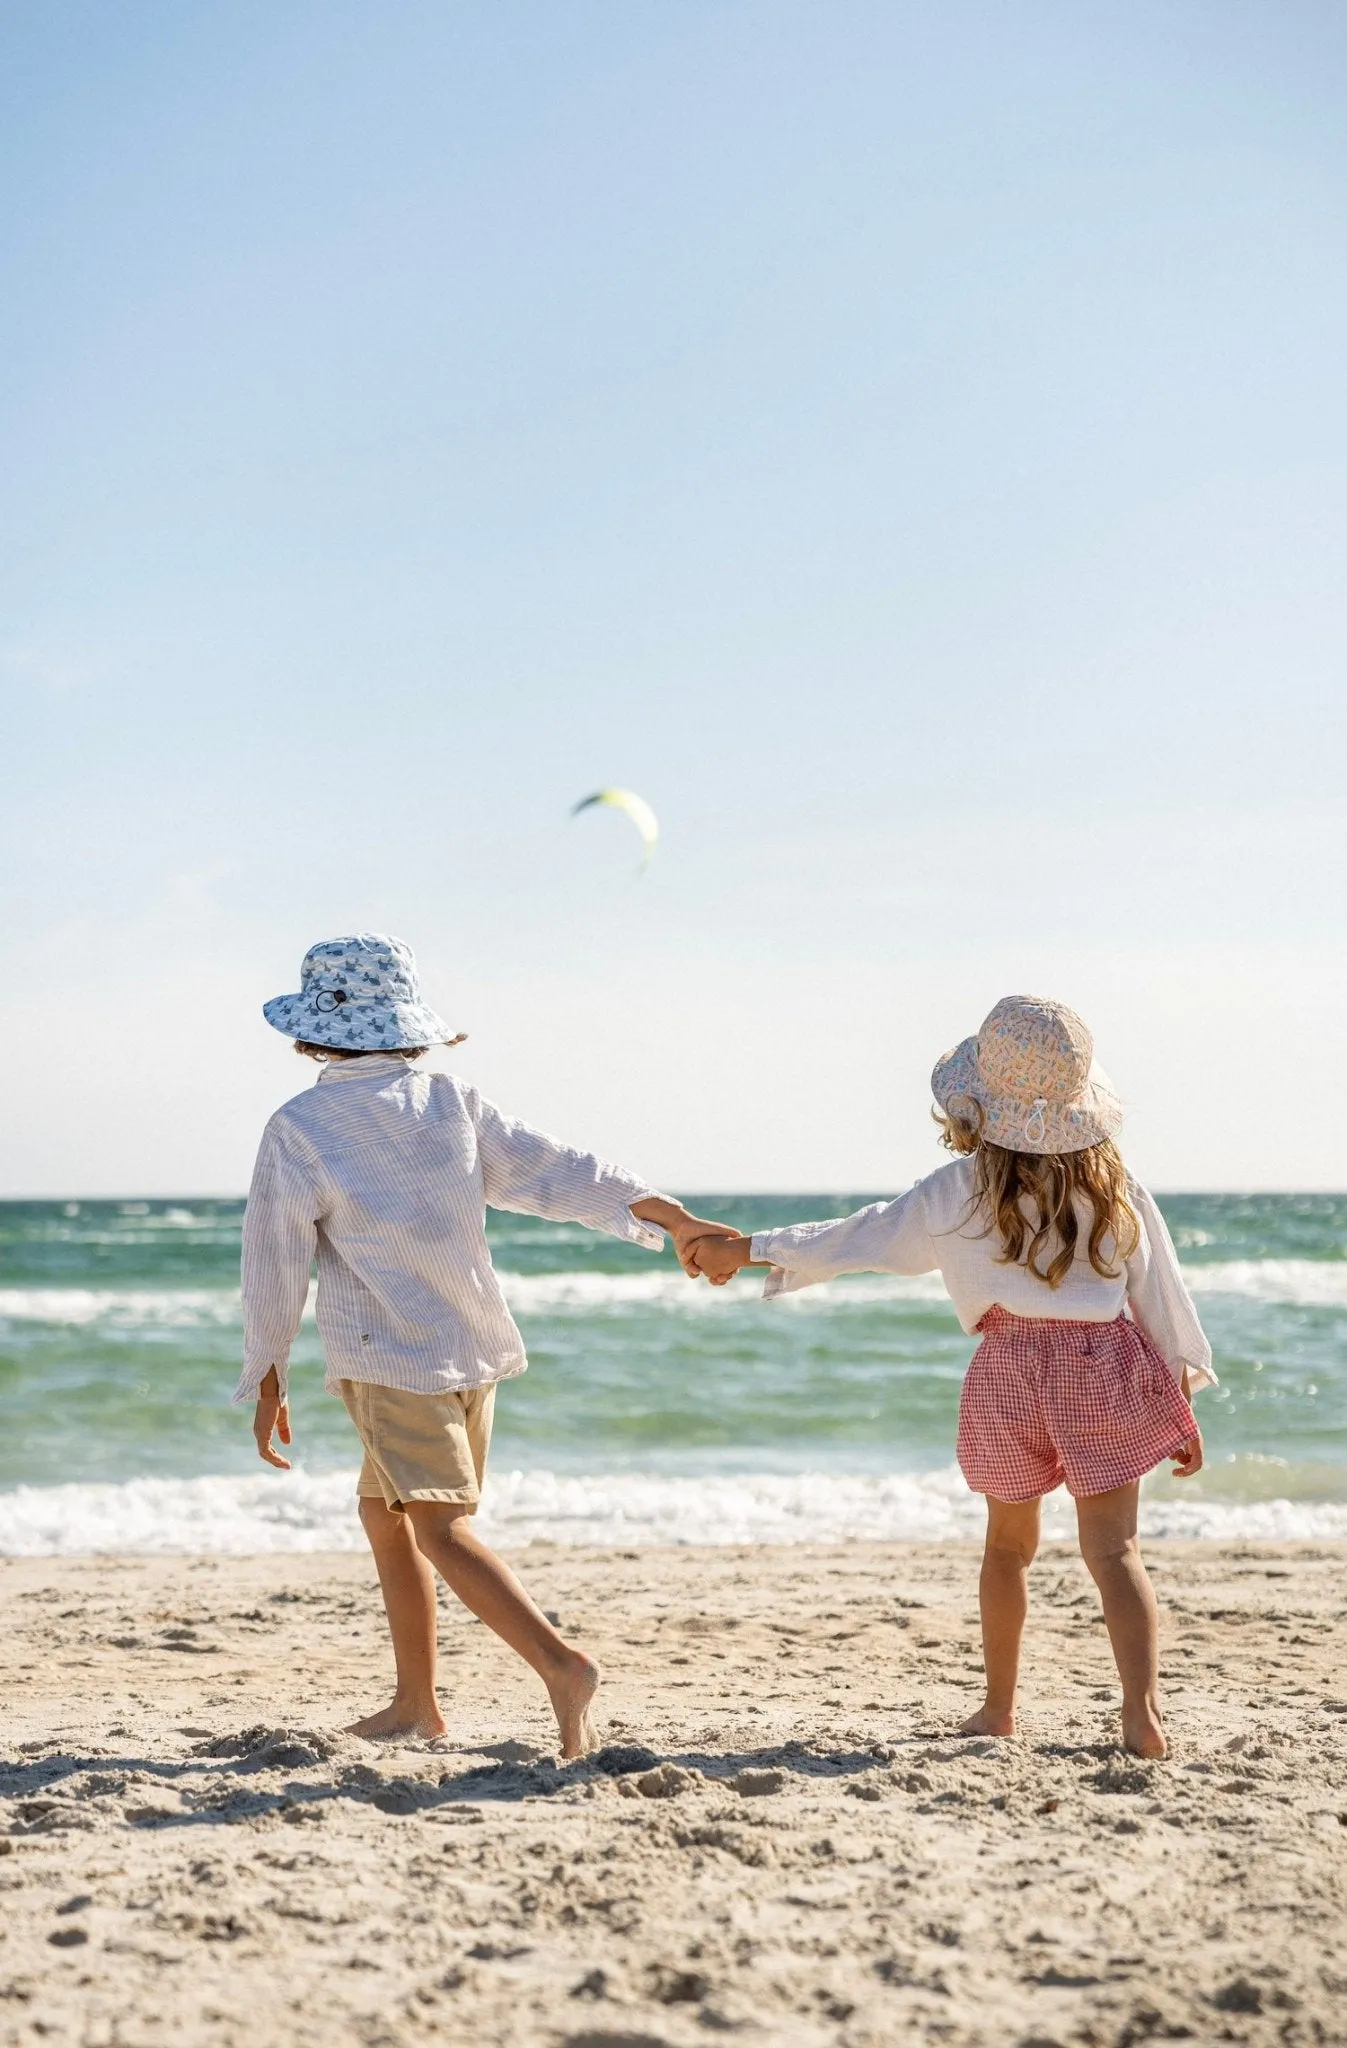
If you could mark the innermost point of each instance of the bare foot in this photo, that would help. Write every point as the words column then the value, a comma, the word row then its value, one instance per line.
column 571, row 1693
column 419, row 1724
column 1142, row 1732
column 985, row 1722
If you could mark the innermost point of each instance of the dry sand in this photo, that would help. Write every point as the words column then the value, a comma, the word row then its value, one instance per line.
column 190, row 1854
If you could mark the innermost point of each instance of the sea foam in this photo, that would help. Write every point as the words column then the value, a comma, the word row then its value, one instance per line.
column 1292, row 1283
column 303, row 1511
column 184, row 1308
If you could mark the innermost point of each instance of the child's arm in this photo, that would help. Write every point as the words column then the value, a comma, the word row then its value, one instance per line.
column 1160, row 1303
column 527, row 1171
column 280, row 1235
column 887, row 1237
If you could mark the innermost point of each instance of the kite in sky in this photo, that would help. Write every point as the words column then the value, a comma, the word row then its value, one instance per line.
column 636, row 808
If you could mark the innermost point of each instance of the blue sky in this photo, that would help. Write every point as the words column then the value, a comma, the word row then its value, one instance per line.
column 904, row 442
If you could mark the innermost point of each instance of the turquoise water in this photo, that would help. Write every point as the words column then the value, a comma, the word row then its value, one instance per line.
column 120, row 1330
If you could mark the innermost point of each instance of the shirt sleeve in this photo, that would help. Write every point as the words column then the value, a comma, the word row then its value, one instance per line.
column 280, row 1236
column 888, row 1237
column 1160, row 1303
column 527, row 1171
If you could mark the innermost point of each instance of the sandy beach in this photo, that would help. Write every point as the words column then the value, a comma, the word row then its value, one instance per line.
column 781, row 1840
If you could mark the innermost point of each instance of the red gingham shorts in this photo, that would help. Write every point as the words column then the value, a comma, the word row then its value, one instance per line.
column 1043, row 1401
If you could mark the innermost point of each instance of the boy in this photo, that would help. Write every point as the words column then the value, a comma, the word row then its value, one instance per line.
column 384, row 1175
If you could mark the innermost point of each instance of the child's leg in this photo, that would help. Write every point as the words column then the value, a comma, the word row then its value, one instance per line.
column 1003, row 1594
column 1108, row 1543
column 482, row 1582
column 408, row 1586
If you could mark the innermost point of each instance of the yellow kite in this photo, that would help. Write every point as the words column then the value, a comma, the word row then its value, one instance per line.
column 636, row 808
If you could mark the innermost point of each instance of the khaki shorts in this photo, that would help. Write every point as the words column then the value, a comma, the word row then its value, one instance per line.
column 421, row 1446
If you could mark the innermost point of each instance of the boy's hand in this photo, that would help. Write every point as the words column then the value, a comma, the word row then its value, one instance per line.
column 718, row 1258
column 271, row 1413
column 683, row 1227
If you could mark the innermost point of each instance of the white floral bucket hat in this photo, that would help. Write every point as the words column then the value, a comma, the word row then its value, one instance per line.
column 1031, row 1071
column 359, row 994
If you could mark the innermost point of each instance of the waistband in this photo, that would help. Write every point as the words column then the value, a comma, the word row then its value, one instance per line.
column 998, row 1318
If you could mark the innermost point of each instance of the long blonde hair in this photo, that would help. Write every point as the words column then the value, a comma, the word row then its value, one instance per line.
column 1049, row 1186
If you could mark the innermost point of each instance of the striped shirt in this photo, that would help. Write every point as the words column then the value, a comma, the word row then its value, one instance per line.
column 937, row 1227
column 384, row 1175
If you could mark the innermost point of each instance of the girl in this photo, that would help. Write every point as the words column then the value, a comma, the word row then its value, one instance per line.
column 1044, row 1242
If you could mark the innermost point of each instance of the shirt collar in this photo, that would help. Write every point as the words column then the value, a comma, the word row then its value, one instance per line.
column 377, row 1063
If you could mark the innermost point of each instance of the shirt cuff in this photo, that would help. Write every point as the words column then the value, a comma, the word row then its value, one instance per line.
column 252, row 1376
column 782, row 1279
column 633, row 1228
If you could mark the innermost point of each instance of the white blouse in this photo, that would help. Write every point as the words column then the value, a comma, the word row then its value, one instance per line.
column 934, row 1227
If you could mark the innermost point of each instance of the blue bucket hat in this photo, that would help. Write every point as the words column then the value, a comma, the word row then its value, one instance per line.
column 359, row 994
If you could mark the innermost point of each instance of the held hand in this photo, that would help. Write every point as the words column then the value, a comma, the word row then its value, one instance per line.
column 271, row 1413
column 694, row 1230
column 681, row 1226
column 718, row 1257
column 1188, row 1459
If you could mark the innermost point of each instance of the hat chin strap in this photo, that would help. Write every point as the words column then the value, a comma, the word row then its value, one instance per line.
column 1034, row 1126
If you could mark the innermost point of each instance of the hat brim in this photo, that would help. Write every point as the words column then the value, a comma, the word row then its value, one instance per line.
column 1087, row 1119
column 358, row 1026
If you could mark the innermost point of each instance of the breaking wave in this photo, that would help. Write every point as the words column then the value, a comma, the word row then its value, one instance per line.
column 1293, row 1283
column 316, row 1511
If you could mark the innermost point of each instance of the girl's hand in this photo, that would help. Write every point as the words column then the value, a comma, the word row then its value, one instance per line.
column 272, row 1413
column 1188, row 1459
column 682, row 1226
column 695, row 1230
column 717, row 1259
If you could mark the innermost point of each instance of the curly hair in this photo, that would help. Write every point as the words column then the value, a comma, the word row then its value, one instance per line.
column 1033, row 1201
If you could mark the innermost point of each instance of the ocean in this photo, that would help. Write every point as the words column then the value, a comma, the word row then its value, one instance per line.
column 653, row 1411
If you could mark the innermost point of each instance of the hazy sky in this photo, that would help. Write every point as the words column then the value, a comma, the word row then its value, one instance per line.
column 905, row 442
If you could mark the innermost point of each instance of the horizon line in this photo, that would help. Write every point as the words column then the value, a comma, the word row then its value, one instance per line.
column 727, row 1192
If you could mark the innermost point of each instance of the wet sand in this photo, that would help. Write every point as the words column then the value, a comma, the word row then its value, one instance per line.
column 781, row 1841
